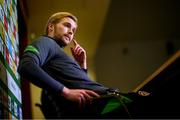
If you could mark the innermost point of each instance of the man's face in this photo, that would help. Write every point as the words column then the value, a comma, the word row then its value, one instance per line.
column 64, row 30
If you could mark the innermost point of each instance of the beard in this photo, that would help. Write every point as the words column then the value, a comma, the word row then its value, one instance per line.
column 60, row 37
column 60, row 41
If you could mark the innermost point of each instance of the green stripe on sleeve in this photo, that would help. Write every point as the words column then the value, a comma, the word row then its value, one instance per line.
column 32, row 49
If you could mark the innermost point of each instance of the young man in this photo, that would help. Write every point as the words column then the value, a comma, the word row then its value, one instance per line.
column 67, row 90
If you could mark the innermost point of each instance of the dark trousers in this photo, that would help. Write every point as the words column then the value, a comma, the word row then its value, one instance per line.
column 54, row 106
column 154, row 106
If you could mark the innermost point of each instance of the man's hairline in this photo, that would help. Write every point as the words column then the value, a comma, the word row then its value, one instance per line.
column 71, row 17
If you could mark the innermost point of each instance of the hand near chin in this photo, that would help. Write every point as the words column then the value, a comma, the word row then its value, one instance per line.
column 79, row 54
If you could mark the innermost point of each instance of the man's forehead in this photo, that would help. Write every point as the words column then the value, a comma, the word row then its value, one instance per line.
column 69, row 20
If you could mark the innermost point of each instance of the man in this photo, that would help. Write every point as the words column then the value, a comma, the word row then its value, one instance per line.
column 67, row 90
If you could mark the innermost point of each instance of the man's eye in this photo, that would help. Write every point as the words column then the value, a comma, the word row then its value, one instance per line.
column 67, row 25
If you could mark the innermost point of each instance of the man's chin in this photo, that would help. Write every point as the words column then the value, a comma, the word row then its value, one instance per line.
column 66, row 42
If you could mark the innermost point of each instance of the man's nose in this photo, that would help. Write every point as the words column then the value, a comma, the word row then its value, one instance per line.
column 70, row 31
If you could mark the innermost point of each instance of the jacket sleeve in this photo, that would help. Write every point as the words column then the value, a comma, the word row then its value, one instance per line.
column 30, row 66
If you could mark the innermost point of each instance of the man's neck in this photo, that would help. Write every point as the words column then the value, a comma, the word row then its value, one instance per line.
column 57, row 41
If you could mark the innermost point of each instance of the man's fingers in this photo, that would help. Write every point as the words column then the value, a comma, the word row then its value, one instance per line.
column 92, row 93
column 87, row 96
column 75, row 42
column 82, row 101
column 77, row 49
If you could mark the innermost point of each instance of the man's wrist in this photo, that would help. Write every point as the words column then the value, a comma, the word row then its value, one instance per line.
column 65, row 91
column 84, row 65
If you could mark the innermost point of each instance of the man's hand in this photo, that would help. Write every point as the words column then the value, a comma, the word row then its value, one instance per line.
column 79, row 54
column 81, row 96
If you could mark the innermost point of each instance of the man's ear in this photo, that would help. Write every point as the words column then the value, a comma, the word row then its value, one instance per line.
column 51, row 27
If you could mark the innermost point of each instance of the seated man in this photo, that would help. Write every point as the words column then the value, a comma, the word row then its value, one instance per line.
column 64, row 80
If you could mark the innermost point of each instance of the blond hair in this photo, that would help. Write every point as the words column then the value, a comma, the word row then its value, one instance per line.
column 57, row 17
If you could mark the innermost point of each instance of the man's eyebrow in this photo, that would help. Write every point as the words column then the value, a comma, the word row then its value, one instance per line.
column 68, row 23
